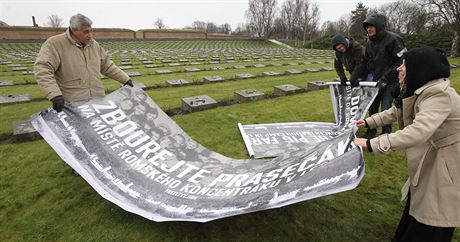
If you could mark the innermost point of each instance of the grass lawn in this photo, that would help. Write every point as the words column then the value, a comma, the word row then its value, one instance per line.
column 41, row 200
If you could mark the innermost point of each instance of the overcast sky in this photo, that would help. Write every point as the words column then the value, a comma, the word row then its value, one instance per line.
column 140, row 14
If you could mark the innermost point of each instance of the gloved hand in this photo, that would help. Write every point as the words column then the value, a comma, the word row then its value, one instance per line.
column 129, row 83
column 382, row 83
column 344, row 82
column 58, row 103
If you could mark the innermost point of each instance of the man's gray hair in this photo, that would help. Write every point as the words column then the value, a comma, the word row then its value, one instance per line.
column 78, row 21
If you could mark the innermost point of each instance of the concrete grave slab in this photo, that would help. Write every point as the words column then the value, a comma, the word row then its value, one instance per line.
column 14, row 98
column 247, row 95
column 259, row 65
column 214, row 78
column 239, row 67
column 276, row 64
column 24, row 131
column 192, row 69
column 163, row 71
column 270, row 73
column 176, row 83
column 151, row 66
column 174, row 64
column 293, row 72
column 196, row 103
column 21, row 68
column 244, row 76
column 317, row 85
column 311, row 70
column 126, row 67
column 27, row 72
column 6, row 83
column 217, row 68
column 286, row 89
column 326, row 69
column 133, row 73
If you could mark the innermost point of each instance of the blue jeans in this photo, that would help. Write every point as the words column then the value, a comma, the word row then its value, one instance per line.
column 384, row 99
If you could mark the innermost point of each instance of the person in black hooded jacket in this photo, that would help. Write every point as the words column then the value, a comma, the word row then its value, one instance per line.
column 384, row 50
column 428, row 112
column 350, row 54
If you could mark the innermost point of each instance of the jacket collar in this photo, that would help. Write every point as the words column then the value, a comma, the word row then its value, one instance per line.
column 444, row 81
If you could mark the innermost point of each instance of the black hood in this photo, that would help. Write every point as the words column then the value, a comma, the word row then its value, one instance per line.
column 378, row 21
column 424, row 65
column 339, row 39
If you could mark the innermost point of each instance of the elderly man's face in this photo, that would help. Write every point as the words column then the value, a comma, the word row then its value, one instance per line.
column 84, row 35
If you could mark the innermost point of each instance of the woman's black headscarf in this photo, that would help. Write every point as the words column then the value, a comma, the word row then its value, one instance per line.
column 422, row 66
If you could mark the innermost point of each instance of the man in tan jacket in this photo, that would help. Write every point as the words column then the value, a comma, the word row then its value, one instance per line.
column 428, row 112
column 69, row 65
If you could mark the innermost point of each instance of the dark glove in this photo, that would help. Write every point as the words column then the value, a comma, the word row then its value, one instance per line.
column 58, row 103
column 382, row 83
column 344, row 82
column 129, row 83
column 354, row 84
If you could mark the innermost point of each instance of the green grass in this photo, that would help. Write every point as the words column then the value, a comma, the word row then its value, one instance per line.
column 40, row 199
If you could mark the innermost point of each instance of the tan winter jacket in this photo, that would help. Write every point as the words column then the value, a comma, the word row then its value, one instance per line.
column 431, row 137
column 64, row 67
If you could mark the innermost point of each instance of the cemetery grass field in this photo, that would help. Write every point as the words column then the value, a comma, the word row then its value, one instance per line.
column 41, row 200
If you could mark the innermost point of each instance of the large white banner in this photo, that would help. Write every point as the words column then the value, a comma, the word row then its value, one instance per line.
column 135, row 156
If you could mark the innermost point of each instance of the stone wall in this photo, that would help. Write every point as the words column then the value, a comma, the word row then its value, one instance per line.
column 43, row 33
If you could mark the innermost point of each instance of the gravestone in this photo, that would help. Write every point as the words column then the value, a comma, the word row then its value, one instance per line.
column 6, row 83
column 286, row 89
column 24, row 131
column 174, row 64
column 247, row 95
column 13, row 65
column 133, row 73
column 326, row 69
column 196, row 103
column 217, row 68
column 176, row 83
column 27, row 72
column 292, row 72
column 317, row 85
column 311, row 70
column 20, row 68
column 213, row 62
column 214, row 78
column 239, row 67
column 15, row 98
column 270, row 73
column 196, row 63
column 163, row 71
column 276, row 64
column 192, row 69
column 126, row 67
column 244, row 75
column 306, row 63
column 151, row 66
column 128, row 63
column 147, row 62
column 259, row 65
column 293, row 64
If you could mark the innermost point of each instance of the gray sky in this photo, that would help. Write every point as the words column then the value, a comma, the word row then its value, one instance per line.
column 140, row 14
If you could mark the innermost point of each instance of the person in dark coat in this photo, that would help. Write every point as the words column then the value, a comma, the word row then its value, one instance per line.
column 349, row 54
column 428, row 112
column 384, row 50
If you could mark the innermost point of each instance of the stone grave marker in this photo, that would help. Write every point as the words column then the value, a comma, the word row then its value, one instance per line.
column 286, row 89
column 293, row 64
column 293, row 72
column 174, row 64
column 239, row 67
column 214, row 78
column 270, row 73
column 213, row 62
column 27, row 72
column 17, row 98
column 24, row 131
column 326, row 69
column 311, row 70
column 196, row 103
column 317, row 85
column 247, row 95
column 276, row 64
column 126, row 67
column 133, row 73
column 6, row 83
column 176, row 83
column 147, row 62
column 217, row 68
column 151, row 66
column 13, row 65
column 20, row 68
column 192, row 69
column 244, row 75
column 259, row 65
column 163, row 71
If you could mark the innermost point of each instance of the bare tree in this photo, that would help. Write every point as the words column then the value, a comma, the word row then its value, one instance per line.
column 449, row 12
column 404, row 16
column 225, row 28
column 199, row 25
column 211, row 27
column 54, row 21
column 260, row 16
column 159, row 23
